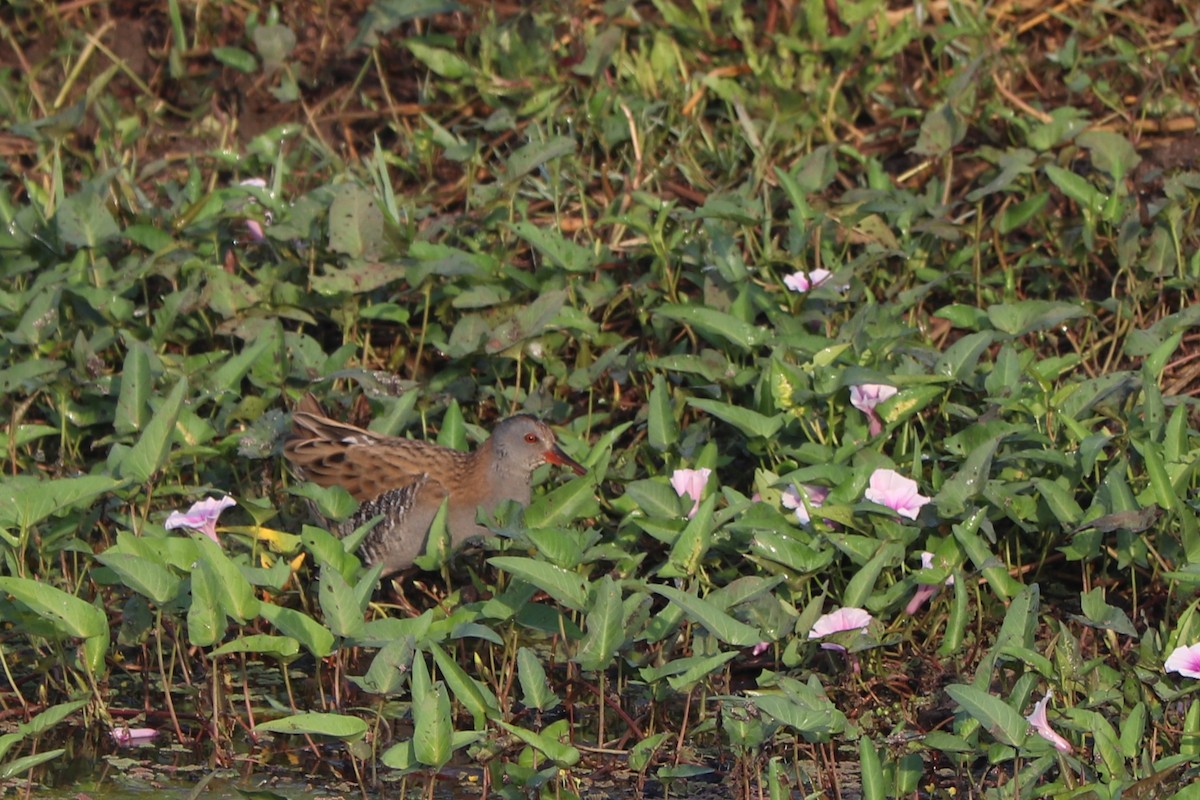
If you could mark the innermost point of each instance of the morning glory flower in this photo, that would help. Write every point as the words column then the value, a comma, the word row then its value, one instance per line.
column 252, row 226
column 202, row 516
column 1042, row 725
column 127, row 737
column 793, row 498
column 843, row 619
column 890, row 488
column 925, row 591
column 690, row 483
column 1185, row 661
column 803, row 281
column 866, row 396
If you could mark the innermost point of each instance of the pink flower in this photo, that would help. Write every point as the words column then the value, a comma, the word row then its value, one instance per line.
column 890, row 488
column 253, row 227
column 803, row 281
column 844, row 619
column 795, row 495
column 1185, row 661
column 925, row 591
column 690, row 483
column 760, row 648
column 202, row 516
column 127, row 737
column 1042, row 725
column 866, row 396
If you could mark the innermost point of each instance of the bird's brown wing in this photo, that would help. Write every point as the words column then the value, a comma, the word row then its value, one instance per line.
column 331, row 453
column 334, row 453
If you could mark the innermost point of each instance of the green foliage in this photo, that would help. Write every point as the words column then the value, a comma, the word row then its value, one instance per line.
column 607, row 223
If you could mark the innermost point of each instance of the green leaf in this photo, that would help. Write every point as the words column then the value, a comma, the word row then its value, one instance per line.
column 682, row 674
column 599, row 53
column 25, row 501
column 133, row 401
column 559, row 546
column 49, row 718
column 564, row 755
column 262, row 644
column 356, row 230
column 1015, row 216
column 691, row 546
column 997, row 717
column 1097, row 613
column 1028, row 316
column 528, row 322
column 339, row 726
column 1012, row 163
column 206, row 621
column 560, row 507
column 749, row 422
column 535, row 688
column 861, row 586
column 1076, row 188
column 340, row 605
column 145, row 576
column 84, row 220
column 959, row 360
column 389, row 669
column 67, row 613
column 1133, row 731
column 236, row 58
column 328, row 550
column 604, row 631
column 235, row 594
column 332, row 502
column 301, row 627
column 655, row 498
column 557, row 250
column 641, row 754
column 39, row 320
column 473, row 694
column 970, row 480
column 443, row 62
column 804, row 709
column 718, row 623
column 941, row 130
column 1160, row 481
column 790, row 552
column 874, row 787
column 967, row 534
column 909, row 402
column 228, row 377
column 1064, row 507
column 28, row 375
column 146, row 457
column 661, row 429
column 22, row 765
column 565, row 587
column 711, row 322
column 432, row 727
column 1111, row 153
column 533, row 156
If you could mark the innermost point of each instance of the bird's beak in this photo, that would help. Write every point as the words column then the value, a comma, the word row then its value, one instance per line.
column 556, row 456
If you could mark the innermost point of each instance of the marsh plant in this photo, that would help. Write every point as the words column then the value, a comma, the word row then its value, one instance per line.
column 872, row 326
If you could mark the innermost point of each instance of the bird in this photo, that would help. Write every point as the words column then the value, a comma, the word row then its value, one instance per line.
column 405, row 481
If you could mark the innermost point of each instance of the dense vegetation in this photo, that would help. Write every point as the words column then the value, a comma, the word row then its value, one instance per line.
column 873, row 324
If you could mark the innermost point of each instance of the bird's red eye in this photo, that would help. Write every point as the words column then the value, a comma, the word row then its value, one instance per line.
column 531, row 438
